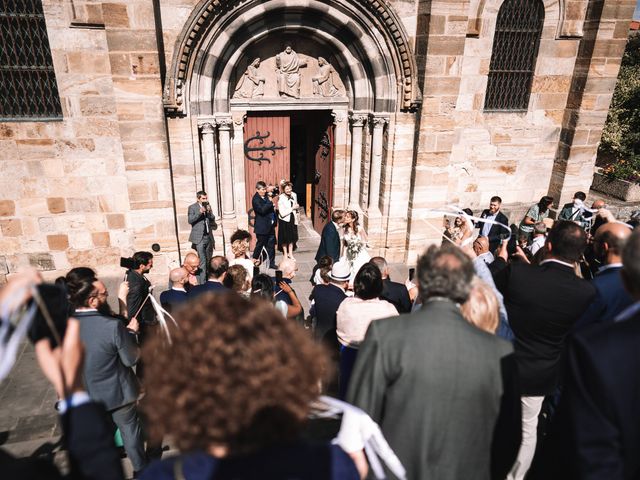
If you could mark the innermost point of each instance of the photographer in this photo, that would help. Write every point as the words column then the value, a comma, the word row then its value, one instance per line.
column 203, row 222
column 138, row 305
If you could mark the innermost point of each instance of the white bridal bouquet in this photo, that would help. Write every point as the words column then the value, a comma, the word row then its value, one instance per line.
column 354, row 247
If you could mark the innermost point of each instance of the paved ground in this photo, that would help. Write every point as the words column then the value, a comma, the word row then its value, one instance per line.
column 28, row 422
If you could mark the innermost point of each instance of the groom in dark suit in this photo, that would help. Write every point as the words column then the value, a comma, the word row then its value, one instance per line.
column 265, row 223
column 330, row 239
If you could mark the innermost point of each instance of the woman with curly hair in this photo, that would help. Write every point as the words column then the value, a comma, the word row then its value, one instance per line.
column 234, row 396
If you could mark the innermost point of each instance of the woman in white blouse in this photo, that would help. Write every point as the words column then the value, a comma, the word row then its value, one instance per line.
column 287, row 220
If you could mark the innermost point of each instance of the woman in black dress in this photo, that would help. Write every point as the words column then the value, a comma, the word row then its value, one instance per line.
column 287, row 220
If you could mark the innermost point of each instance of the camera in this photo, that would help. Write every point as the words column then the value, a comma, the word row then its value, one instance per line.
column 503, row 236
column 275, row 191
column 205, row 204
column 128, row 263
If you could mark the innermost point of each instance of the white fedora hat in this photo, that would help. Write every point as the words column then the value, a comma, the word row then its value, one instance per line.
column 341, row 271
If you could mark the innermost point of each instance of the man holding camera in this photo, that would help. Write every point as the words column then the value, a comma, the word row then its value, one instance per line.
column 264, row 223
column 203, row 222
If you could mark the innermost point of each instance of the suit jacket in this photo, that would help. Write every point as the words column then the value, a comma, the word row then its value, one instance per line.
column 611, row 298
column 496, row 230
column 397, row 294
column 139, row 288
column 329, row 243
column 88, row 438
column 208, row 286
column 110, row 352
column 327, row 299
column 567, row 214
column 543, row 303
column 595, row 433
column 439, row 387
column 200, row 222
column 264, row 210
column 171, row 298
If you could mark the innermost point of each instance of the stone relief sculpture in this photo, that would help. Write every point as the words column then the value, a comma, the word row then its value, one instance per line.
column 323, row 83
column 288, row 67
column 251, row 84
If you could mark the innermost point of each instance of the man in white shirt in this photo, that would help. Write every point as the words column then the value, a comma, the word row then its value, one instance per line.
column 539, row 237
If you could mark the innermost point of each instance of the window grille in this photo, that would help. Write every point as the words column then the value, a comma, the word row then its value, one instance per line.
column 28, row 88
column 515, row 48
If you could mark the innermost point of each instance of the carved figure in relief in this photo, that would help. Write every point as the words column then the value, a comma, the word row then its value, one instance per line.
column 323, row 83
column 251, row 84
column 288, row 67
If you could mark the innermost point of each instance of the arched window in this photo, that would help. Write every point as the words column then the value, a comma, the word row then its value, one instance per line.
column 515, row 48
column 27, row 79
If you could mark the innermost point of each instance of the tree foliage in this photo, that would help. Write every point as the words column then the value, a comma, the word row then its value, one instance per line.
column 620, row 143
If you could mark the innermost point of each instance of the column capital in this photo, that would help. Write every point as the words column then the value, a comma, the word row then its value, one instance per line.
column 207, row 128
column 224, row 123
column 358, row 119
column 379, row 120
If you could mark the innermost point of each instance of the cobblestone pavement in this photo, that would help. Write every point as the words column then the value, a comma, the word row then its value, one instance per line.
column 28, row 422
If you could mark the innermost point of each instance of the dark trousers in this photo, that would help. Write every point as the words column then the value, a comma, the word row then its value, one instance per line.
column 268, row 242
column 204, row 249
column 126, row 418
column 347, row 361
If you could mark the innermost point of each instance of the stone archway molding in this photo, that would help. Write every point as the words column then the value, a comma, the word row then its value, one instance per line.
column 570, row 20
column 375, row 17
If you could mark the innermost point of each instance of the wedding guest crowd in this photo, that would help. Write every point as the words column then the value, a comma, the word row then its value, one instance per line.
column 510, row 353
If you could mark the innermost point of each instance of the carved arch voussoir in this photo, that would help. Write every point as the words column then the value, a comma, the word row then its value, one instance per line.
column 208, row 12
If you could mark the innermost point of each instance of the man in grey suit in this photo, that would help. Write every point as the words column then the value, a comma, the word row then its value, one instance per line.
column 110, row 353
column 443, row 391
column 203, row 222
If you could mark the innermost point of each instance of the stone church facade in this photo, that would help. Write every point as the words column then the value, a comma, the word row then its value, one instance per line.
column 380, row 106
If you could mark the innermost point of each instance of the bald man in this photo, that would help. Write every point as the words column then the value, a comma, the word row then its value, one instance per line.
column 192, row 265
column 481, row 249
column 611, row 297
column 177, row 294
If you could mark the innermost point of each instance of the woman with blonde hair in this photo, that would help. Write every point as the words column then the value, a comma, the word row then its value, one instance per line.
column 481, row 308
column 240, row 243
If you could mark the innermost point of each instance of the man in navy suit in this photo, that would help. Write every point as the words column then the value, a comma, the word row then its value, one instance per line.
column 327, row 299
column 330, row 239
column 492, row 231
column 611, row 296
column 264, row 223
column 595, row 433
column 218, row 267
column 177, row 293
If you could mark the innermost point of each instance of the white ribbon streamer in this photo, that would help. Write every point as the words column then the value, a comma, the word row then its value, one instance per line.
column 469, row 219
column 357, row 432
column 10, row 340
column 160, row 313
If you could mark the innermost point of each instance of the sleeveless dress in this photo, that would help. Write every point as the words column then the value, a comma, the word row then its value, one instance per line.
column 355, row 252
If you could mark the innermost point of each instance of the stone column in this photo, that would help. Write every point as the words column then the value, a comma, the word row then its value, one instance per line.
column 357, row 124
column 376, row 164
column 225, row 125
column 210, row 164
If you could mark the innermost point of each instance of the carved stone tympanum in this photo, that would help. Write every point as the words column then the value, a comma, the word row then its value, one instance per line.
column 288, row 67
column 324, row 83
column 251, row 84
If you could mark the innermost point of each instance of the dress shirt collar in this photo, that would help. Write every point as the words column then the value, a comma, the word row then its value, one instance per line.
column 549, row 260
column 609, row 267
column 178, row 289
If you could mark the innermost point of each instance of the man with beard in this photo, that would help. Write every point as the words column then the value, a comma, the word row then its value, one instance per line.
column 110, row 354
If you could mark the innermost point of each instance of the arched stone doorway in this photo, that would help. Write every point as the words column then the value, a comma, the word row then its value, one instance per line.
column 356, row 73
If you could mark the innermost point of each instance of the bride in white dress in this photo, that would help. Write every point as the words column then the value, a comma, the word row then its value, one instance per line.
column 354, row 244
